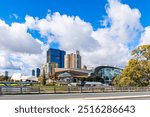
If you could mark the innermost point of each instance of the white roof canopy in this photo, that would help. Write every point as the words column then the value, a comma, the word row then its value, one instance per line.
column 19, row 76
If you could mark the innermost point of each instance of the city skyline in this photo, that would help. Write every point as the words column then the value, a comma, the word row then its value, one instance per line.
column 104, row 31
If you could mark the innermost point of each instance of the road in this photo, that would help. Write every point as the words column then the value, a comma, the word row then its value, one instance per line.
column 80, row 96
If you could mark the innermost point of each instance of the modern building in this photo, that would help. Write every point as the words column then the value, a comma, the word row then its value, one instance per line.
column 72, row 73
column 105, row 74
column 48, row 71
column 33, row 72
column 21, row 77
column 56, row 56
column 43, row 69
column 51, row 67
column 73, row 60
column 6, row 74
column 38, row 72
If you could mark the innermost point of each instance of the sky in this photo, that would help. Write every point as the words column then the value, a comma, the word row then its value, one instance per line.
column 105, row 31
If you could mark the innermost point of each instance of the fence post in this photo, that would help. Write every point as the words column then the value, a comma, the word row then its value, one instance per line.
column 92, row 89
column 1, row 91
column 39, row 90
column 54, row 87
column 21, row 88
column 68, row 89
column 103, row 89
column 80, row 89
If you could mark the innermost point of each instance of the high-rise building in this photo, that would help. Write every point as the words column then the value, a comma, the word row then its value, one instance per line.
column 38, row 72
column 52, row 66
column 56, row 56
column 73, row 60
column 6, row 73
column 33, row 72
column 78, row 59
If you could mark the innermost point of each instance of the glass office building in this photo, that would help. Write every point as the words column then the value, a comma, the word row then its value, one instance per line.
column 38, row 72
column 33, row 72
column 105, row 74
column 56, row 56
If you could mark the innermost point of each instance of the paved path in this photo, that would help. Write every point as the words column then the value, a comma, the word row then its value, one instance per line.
column 88, row 96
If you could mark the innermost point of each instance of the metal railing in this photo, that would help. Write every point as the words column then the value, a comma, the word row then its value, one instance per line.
column 18, row 87
column 35, row 88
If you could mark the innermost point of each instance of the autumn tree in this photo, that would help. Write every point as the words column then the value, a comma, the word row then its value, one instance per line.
column 137, row 71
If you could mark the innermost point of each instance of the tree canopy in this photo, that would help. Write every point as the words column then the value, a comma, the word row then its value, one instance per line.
column 137, row 71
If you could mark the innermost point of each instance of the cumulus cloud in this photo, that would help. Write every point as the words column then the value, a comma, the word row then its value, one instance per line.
column 145, row 38
column 124, row 22
column 18, row 49
column 16, row 38
column 104, row 46
column 107, row 45
column 70, row 32
column 122, row 27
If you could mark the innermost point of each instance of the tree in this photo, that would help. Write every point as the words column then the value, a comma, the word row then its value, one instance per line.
column 43, row 78
column 137, row 71
column 142, row 53
column 4, row 78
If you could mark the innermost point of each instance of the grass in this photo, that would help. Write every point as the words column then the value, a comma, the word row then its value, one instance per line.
column 48, row 88
column 51, row 88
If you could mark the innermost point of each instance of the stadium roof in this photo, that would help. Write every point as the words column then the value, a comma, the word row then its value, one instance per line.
column 19, row 77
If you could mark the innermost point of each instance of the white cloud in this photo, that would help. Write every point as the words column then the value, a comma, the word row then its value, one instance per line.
column 18, row 49
column 16, row 38
column 122, row 27
column 14, row 15
column 108, row 45
column 145, row 38
column 124, row 21
column 70, row 32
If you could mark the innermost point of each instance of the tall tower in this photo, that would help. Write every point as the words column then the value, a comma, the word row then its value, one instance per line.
column 78, row 59
column 56, row 56
column 6, row 74
column 38, row 72
column 33, row 72
column 73, row 60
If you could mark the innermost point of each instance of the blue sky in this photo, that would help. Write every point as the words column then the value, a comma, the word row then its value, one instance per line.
column 89, row 10
column 126, row 26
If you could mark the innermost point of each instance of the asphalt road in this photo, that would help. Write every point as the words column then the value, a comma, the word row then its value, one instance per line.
column 81, row 96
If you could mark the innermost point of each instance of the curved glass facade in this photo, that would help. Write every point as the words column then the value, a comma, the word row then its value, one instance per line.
column 107, row 73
